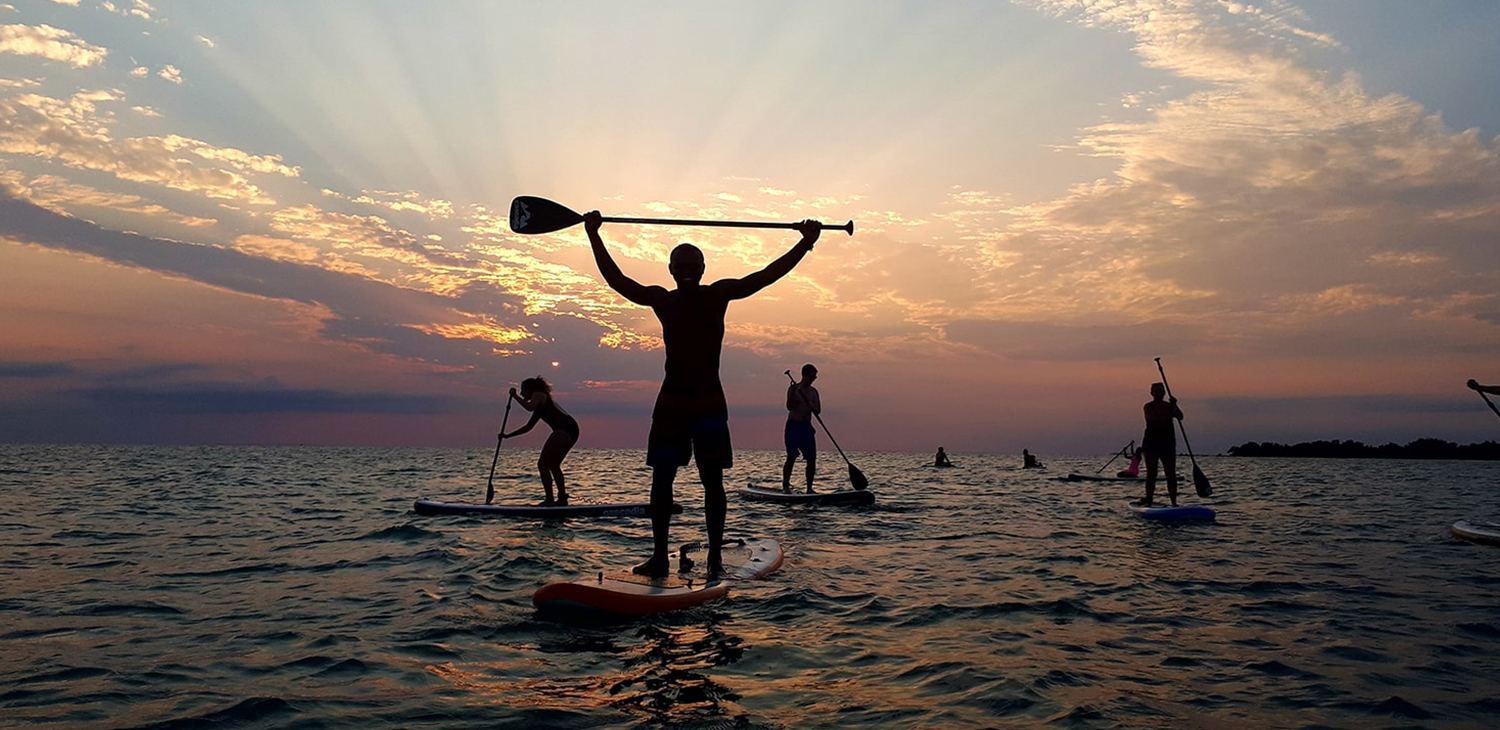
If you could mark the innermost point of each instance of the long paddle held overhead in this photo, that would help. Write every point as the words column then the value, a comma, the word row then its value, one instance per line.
column 856, row 477
column 1200, row 482
column 532, row 215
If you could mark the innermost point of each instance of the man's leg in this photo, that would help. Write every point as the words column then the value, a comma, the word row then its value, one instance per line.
column 715, row 509
column 1151, row 467
column 812, row 468
column 1169, row 465
column 786, row 470
column 661, row 521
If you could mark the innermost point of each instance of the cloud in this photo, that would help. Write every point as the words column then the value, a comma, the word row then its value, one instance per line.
column 1270, row 188
column 170, row 73
column 30, row 370
column 51, row 43
column 361, row 312
column 58, row 195
column 138, row 9
column 227, row 400
column 76, row 132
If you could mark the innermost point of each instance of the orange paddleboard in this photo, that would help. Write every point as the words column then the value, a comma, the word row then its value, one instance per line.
column 636, row 595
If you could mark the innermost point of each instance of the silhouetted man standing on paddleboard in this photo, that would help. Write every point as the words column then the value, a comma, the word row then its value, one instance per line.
column 802, row 403
column 691, row 417
column 1160, row 442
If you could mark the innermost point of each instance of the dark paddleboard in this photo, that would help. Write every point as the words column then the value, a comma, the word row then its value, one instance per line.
column 774, row 494
column 1185, row 512
column 1076, row 477
column 619, row 509
column 635, row 595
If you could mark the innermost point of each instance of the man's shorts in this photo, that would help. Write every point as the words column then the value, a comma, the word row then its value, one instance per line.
column 800, row 437
column 675, row 440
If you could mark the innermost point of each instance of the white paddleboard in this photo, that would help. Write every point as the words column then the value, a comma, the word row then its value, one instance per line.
column 1485, row 532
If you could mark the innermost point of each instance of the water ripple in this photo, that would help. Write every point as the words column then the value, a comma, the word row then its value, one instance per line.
column 263, row 587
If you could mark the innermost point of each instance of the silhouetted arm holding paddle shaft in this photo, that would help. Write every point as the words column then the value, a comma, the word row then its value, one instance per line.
column 748, row 285
column 1491, row 389
column 534, row 405
column 616, row 279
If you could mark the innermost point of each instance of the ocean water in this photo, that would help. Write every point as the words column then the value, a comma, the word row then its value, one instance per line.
column 232, row 587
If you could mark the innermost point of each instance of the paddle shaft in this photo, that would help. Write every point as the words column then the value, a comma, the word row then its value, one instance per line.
column 1117, row 455
column 1481, row 395
column 1179, row 421
column 847, row 227
column 489, row 493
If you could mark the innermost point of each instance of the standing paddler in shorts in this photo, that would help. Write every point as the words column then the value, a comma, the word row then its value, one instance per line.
column 802, row 403
column 1160, row 442
column 691, row 417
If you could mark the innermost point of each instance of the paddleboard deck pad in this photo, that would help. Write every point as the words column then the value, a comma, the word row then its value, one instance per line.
column 1485, row 532
column 1186, row 512
column 619, row 509
column 1076, row 477
column 774, row 494
column 637, row 595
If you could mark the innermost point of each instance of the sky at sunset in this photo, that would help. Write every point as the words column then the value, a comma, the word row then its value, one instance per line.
column 285, row 221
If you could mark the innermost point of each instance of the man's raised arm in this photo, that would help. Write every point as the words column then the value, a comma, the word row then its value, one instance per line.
column 783, row 265
column 613, row 276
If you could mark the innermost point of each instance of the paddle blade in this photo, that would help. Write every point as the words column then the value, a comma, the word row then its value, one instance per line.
column 857, row 478
column 1200, row 483
column 540, row 215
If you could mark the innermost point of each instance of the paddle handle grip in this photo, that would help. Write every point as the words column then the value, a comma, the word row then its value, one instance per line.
column 847, row 227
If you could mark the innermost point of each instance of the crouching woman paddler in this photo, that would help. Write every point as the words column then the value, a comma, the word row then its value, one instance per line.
column 536, row 396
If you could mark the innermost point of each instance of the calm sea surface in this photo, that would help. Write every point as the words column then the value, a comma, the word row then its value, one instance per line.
column 146, row 587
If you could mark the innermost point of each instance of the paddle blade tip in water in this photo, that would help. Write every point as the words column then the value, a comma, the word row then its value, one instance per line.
column 1200, row 483
column 857, row 478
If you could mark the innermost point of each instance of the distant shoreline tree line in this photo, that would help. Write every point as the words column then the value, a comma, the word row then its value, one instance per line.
column 1419, row 449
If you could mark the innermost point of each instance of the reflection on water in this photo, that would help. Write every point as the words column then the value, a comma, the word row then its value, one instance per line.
column 666, row 679
column 200, row 587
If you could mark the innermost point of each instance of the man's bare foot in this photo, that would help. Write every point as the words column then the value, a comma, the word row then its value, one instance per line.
column 715, row 567
column 657, row 567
